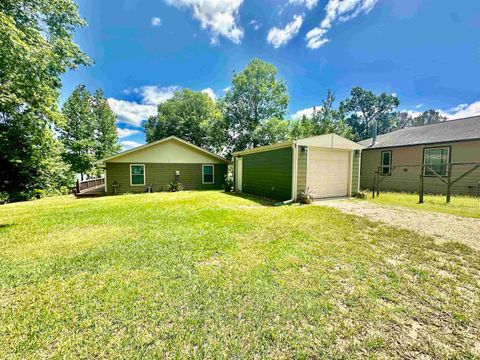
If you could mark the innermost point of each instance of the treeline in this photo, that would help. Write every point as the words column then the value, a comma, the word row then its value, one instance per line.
column 40, row 146
column 252, row 113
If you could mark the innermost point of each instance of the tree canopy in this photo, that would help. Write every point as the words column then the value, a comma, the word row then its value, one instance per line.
column 36, row 48
column 190, row 115
column 256, row 96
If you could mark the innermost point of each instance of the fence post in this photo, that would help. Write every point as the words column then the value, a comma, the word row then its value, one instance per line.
column 78, row 186
column 374, row 184
column 378, row 181
column 449, row 183
column 420, row 191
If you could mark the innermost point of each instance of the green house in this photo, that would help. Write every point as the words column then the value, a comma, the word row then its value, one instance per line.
column 325, row 166
column 155, row 165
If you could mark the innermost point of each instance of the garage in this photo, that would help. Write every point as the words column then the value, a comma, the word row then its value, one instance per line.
column 324, row 166
column 328, row 172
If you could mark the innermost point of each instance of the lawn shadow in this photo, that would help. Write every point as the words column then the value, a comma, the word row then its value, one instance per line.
column 5, row 226
column 257, row 199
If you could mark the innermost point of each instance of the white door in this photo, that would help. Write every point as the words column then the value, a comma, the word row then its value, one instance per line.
column 238, row 175
column 328, row 172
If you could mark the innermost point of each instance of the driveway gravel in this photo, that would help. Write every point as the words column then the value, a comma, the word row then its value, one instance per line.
column 441, row 227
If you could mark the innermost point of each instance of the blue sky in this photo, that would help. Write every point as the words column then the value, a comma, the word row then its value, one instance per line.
column 425, row 51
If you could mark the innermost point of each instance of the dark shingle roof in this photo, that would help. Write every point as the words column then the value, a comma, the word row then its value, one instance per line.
column 447, row 131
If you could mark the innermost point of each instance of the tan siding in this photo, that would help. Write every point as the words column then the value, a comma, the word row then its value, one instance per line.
column 160, row 176
column 301, row 171
column 355, row 173
column 407, row 178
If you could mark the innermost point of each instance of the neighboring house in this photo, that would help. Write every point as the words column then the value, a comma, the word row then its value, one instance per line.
column 453, row 141
column 162, row 162
column 326, row 165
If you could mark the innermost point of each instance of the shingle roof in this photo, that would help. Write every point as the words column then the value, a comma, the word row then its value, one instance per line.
column 447, row 131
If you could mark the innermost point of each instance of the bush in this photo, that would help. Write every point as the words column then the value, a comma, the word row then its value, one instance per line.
column 175, row 186
column 362, row 194
column 3, row 197
column 306, row 197
column 228, row 185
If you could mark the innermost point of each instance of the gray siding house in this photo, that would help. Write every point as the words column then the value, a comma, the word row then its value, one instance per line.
column 452, row 141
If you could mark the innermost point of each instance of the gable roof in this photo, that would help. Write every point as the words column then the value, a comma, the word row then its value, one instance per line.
column 447, row 131
column 162, row 141
column 331, row 141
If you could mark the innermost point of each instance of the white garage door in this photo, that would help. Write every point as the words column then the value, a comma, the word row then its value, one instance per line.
column 328, row 173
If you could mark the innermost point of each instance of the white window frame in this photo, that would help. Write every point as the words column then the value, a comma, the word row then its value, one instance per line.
column 213, row 174
column 425, row 159
column 383, row 167
column 144, row 175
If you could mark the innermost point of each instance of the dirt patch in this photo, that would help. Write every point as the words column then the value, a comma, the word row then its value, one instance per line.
column 441, row 227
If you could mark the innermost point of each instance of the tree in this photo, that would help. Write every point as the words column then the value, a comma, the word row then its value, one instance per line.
column 256, row 95
column 324, row 120
column 106, row 130
column 272, row 131
column 78, row 132
column 365, row 108
column 36, row 47
column 189, row 115
column 428, row 117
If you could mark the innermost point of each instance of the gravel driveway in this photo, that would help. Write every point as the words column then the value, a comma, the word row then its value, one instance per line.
column 441, row 227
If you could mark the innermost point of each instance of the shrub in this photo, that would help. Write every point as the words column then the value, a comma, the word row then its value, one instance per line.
column 228, row 185
column 362, row 194
column 306, row 197
column 175, row 186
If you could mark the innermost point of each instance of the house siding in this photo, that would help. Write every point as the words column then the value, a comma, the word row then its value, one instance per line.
column 160, row 175
column 301, row 171
column 268, row 173
column 356, row 158
column 407, row 178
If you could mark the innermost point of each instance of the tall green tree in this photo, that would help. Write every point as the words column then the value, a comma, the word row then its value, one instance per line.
column 36, row 48
column 272, row 131
column 428, row 117
column 365, row 108
column 78, row 132
column 106, row 136
column 324, row 120
column 256, row 95
column 189, row 115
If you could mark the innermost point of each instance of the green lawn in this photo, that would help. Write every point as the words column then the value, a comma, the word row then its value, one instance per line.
column 208, row 274
column 466, row 206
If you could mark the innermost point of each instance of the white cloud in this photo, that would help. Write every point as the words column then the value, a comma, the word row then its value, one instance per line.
column 308, row 112
column 155, row 95
column 309, row 4
column 128, row 144
column 226, row 89
column 464, row 110
column 156, row 21
column 255, row 24
column 457, row 112
column 337, row 11
column 218, row 16
column 278, row 37
column 418, row 106
column 122, row 133
column 210, row 92
column 130, row 112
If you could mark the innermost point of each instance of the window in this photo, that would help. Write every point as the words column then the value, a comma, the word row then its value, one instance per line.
column 207, row 174
column 386, row 163
column 137, row 174
column 438, row 159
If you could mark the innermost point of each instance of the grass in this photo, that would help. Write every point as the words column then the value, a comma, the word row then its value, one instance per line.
column 466, row 206
column 207, row 274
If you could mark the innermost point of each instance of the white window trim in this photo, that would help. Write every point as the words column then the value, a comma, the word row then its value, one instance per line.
column 213, row 174
column 144, row 175
column 389, row 172
column 425, row 159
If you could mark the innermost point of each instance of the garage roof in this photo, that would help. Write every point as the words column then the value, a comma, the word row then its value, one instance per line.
column 329, row 141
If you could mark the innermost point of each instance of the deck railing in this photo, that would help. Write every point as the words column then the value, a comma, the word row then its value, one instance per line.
column 88, row 184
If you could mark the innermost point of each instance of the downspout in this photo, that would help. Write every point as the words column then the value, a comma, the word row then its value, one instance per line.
column 294, row 176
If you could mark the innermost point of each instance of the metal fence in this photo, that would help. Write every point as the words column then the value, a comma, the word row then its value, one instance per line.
column 449, row 179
